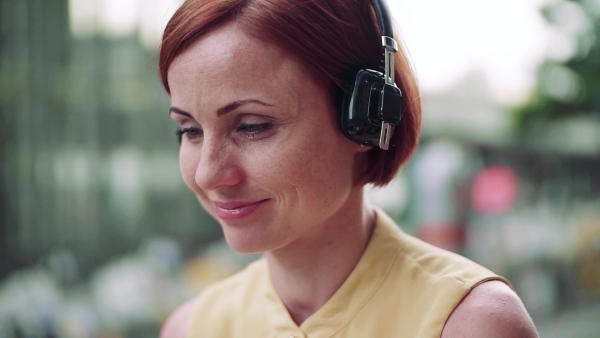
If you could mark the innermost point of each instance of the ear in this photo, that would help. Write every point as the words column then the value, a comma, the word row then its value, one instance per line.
column 361, row 148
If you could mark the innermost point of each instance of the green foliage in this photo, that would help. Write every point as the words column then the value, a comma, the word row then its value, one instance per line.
column 568, row 87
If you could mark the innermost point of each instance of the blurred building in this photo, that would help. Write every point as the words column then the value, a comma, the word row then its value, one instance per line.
column 88, row 154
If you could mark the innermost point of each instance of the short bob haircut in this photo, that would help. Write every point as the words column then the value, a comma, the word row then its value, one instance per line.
column 333, row 39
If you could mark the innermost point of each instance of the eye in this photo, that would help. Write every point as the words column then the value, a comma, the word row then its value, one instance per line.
column 191, row 133
column 251, row 130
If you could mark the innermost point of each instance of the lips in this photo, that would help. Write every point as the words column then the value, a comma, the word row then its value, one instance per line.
column 236, row 210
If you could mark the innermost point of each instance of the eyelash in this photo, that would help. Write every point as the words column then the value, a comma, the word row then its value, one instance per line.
column 252, row 130
column 249, row 131
column 189, row 132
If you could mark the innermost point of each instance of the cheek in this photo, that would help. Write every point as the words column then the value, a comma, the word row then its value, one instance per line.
column 305, row 169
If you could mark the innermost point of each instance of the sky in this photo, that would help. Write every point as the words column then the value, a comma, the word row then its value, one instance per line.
column 505, row 40
column 447, row 40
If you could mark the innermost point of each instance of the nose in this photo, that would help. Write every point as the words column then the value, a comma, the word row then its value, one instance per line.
column 218, row 166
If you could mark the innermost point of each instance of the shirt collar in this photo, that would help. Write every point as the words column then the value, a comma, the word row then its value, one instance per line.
column 360, row 286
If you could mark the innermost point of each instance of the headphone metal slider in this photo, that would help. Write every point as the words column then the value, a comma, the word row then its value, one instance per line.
column 390, row 47
column 389, row 43
column 386, row 133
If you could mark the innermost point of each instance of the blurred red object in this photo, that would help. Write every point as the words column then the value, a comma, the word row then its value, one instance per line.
column 495, row 190
column 445, row 235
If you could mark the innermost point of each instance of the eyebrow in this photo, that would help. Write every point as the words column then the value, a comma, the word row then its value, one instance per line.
column 223, row 110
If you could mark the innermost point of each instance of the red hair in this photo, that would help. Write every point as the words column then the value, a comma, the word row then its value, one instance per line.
column 332, row 38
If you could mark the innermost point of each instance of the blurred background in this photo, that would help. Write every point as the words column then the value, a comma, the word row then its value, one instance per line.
column 100, row 238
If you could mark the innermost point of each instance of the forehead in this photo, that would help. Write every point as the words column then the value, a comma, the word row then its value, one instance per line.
column 225, row 43
column 227, row 64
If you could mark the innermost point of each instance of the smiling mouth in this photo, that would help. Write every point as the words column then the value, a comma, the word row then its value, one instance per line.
column 235, row 210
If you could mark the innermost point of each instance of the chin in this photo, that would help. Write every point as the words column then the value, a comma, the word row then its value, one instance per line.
column 245, row 242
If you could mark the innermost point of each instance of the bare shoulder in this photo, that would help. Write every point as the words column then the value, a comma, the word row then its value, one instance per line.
column 493, row 310
column 175, row 326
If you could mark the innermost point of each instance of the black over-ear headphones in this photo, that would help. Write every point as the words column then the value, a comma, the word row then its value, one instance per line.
column 374, row 107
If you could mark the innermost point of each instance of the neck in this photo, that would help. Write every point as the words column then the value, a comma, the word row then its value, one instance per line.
column 306, row 274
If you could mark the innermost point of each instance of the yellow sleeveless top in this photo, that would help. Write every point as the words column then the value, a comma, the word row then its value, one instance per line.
column 401, row 287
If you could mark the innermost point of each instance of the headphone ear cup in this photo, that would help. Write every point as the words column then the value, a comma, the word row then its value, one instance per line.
column 359, row 108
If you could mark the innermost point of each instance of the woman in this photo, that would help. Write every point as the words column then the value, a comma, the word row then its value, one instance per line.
column 257, row 88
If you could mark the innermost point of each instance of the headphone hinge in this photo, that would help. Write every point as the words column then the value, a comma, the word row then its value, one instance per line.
column 389, row 43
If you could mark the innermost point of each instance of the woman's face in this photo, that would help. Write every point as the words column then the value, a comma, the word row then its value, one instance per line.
column 260, row 146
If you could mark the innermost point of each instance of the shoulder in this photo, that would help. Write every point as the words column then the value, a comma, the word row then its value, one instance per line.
column 431, row 261
column 176, row 325
column 216, row 304
column 492, row 310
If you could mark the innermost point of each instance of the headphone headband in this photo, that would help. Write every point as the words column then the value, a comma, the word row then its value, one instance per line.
column 383, row 18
